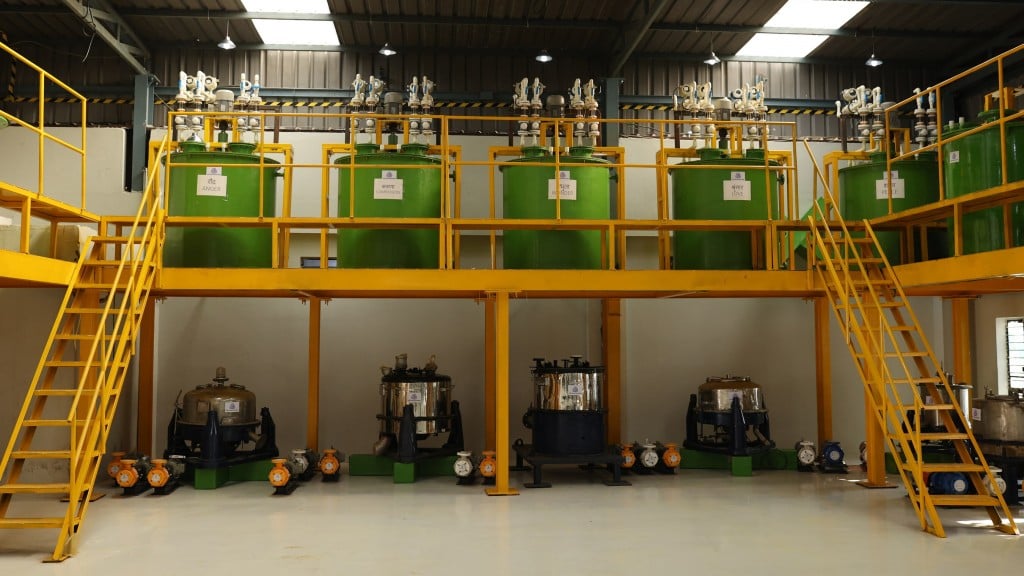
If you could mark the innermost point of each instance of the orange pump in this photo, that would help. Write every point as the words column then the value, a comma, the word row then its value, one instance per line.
column 488, row 465
column 127, row 475
column 329, row 463
column 279, row 474
column 115, row 464
column 158, row 475
column 671, row 457
column 628, row 457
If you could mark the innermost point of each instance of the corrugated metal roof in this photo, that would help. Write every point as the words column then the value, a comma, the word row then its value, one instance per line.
column 913, row 31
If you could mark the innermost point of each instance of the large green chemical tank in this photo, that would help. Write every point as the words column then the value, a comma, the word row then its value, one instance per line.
column 736, row 191
column 391, row 189
column 974, row 163
column 863, row 194
column 529, row 192
column 224, row 184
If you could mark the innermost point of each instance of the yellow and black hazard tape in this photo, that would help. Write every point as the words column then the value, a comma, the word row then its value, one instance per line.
column 343, row 104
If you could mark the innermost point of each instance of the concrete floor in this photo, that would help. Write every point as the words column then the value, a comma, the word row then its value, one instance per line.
column 777, row 522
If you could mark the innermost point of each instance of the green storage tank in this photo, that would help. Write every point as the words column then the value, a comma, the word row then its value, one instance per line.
column 224, row 184
column 529, row 193
column 974, row 163
column 862, row 194
column 390, row 192
column 736, row 191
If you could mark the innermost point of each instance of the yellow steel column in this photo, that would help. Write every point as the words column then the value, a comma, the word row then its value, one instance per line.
column 489, row 373
column 501, row 408
column 962, row 365
column 144, row 415
column 611, row 334
column 874, row 434
column 823, row 369
column 313, row 401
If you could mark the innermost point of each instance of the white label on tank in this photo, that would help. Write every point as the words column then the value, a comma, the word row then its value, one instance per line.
column 414, row 396
column 574, row 390
column 954, row 156
column 738, row 175
column 565, row 185
column 882, row 187
column 976, row 414
column 212, row 185
column 387, row 188
column 232, row 406
column 736, row 189
column 214, row 171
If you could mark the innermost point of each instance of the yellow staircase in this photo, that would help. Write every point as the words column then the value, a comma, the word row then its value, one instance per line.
column 897, row 366
column 65, row 420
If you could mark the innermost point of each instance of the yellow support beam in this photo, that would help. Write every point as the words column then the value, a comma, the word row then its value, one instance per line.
column 963, row 368
column 611, row 337
column 146, row 389
column 823, row 368
column 30, row 270
column 502, row 443
column 313, row 389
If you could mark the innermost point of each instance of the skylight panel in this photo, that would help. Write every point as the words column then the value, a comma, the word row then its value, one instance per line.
column 815, row 14
column 293, row 6
column 297, row 32
column 827, row 14
column 781, row 45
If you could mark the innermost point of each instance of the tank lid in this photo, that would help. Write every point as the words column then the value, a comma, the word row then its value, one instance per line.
column 755, row 153
column 710, row 154
column 993, row 115
column 414, row 148
column 192, row 146
column 568, row 365
column 367, row 148
column 533, row 151
column 581, row 151
column 241, row 147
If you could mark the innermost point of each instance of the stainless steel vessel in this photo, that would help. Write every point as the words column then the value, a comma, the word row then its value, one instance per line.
column 574, row 385
column 930, row 419
column 716, row 394
column 234, row 405
column 1001, row 418
column 429, row 393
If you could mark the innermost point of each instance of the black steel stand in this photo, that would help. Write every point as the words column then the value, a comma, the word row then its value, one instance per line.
column 610, row 457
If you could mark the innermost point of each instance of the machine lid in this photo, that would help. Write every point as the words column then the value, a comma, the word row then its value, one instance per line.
column 414, row 375
column 574, row 364
column 729, row 378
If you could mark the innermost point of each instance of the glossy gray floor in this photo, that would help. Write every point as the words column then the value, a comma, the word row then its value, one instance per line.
column 776, row 522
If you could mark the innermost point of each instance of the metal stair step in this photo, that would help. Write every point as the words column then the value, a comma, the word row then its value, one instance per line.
column 933, row 436
column 964, row 500
column 116, row 239
column 951, row 467
column 81, row 364
column 31, row 522
column 923, row 380
column 938, row 407
column 35, row 488
column 904, row 354
column 62, row 391
column 41, row 454
column 99, row 286
column 88, row 337
column 38, row 423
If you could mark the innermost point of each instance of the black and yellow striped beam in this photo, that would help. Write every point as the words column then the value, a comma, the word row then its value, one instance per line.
column 342, row 104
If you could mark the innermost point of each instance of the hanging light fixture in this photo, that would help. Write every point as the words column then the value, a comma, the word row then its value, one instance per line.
column 543, row 57
column 872, row 61
column 713, row 59
column 387, row 50
column 227, row 43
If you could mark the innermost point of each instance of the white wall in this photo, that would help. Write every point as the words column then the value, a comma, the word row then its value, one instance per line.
column 986, row 309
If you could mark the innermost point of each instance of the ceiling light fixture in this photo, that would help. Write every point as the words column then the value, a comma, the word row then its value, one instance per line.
column 227, row 43
column 387, row 50
column 544, row 57
column 872, row 61
column 713, row 59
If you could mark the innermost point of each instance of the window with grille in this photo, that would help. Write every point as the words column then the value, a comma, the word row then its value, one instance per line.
column 1015, row 352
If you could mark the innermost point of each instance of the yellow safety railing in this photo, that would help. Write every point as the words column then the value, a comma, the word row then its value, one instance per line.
column 1001, row 195
column 771, row 237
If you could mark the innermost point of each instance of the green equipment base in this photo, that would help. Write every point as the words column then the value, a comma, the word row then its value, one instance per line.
column 371, row 465
column 212, row 478
column 775, row 459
